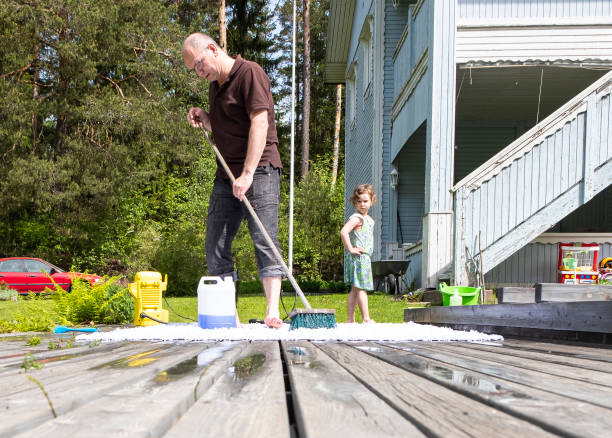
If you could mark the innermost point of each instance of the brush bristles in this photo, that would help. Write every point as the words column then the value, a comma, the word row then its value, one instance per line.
column 312, row 318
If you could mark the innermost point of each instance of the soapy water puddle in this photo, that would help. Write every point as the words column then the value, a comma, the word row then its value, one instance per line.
column 457, row 378
column 135, row 360
column 298, row 351
column 196, row 363
column 246, row 367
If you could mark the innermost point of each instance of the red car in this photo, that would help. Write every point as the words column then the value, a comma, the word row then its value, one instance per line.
column 27, row 274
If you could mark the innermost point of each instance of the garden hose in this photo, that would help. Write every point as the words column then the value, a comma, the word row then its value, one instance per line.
column 144, row 315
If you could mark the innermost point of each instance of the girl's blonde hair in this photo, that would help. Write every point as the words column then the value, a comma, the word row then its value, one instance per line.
column 360, row 190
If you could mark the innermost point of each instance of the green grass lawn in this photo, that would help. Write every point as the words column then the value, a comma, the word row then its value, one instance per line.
column 383, row 308
column 7, row 308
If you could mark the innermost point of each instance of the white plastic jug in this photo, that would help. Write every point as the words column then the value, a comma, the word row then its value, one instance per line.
column 216, row 302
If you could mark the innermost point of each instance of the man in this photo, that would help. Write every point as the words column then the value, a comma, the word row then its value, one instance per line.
column 241, row 117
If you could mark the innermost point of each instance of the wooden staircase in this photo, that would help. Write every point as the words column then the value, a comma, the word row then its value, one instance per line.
column 537, row 180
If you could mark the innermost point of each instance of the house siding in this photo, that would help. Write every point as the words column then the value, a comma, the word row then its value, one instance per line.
column 537, row 262
column 477, row 142
column 413, row 272
column 417, row 127
column 415, row 110
column 487, row 9
column 358, row 138
column 594, row 216
column 534, row 263
column 395, row 22
column 411, row 189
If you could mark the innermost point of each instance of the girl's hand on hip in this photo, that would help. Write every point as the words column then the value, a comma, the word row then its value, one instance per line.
column 357, row 250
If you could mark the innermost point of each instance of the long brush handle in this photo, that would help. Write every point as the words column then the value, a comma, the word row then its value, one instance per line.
column 277, row 254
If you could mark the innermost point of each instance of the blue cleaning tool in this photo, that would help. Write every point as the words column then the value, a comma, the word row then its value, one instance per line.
column 64, row 329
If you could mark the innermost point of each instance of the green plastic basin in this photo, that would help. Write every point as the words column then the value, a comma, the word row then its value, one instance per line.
column 469, row 295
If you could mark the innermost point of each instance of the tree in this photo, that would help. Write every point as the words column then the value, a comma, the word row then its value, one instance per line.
column 249, row 31
column 306, row 88
column 222, row 29
column 103, row 88
column 337, row 133
column 99, row 168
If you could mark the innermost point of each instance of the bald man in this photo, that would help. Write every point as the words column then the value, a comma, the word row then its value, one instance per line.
column 241, row 118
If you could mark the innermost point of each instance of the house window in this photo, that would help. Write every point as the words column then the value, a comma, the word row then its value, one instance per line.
column 351, row 92
column 365, row 38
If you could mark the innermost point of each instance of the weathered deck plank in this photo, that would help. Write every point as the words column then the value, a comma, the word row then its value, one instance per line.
column 243, row 402
column 10, row 361
column 542, row 364
column 556, row 292
column 328, row 401
column 602, row 353
column 586, row 392
column 28, row 409
column 13, row 347
column 143, row 389
column 546, row 357
column 64, row 367
column 424, row 402
column 558, row 414
column 149, row 406
column 585, row 316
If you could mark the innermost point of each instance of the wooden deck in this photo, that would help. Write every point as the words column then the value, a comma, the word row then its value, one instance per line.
column 303, row 389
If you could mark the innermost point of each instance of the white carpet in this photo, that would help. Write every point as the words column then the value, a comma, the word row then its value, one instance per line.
column 258, row 332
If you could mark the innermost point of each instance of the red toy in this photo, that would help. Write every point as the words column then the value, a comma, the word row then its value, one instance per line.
column 578, row 263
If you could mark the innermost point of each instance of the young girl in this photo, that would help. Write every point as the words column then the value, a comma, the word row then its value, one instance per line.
column 358, row 239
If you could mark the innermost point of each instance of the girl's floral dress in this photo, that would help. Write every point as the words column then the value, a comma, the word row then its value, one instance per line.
column 358, row 268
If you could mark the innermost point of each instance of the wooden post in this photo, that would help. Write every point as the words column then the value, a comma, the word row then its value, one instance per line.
column 460, row 276
column 438, row 217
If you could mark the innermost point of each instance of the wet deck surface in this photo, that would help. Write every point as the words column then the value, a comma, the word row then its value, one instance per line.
column 300, row 389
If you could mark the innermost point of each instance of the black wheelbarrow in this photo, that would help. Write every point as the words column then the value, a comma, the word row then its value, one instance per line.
column 388, row 274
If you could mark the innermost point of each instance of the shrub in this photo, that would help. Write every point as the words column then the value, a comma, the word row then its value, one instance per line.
column 119, row 306
column 102, row 303
column 255, row 286
column 338, row 287
column 250, row 287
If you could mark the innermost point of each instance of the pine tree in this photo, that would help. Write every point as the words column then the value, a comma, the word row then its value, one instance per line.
column 93, row 97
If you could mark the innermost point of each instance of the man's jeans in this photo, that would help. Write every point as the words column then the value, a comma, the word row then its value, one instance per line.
column 226, row 212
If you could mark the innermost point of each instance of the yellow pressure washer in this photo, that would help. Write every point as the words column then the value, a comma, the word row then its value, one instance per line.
column 147, row 292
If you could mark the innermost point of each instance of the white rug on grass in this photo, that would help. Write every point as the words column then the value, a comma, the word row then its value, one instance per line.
column 258, row 332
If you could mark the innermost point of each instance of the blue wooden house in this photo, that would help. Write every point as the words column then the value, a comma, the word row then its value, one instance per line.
column 485, row 127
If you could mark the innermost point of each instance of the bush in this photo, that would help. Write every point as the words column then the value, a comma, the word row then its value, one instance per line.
column 305, row 285
column 119, row 306
column 338, row 287
column 104, row 303
column 255, row 286
column 319, row 216
column 249, row 287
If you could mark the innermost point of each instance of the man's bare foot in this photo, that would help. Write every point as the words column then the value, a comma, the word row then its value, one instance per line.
column 367, row 321
column 350, row 322
column 273, row 322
